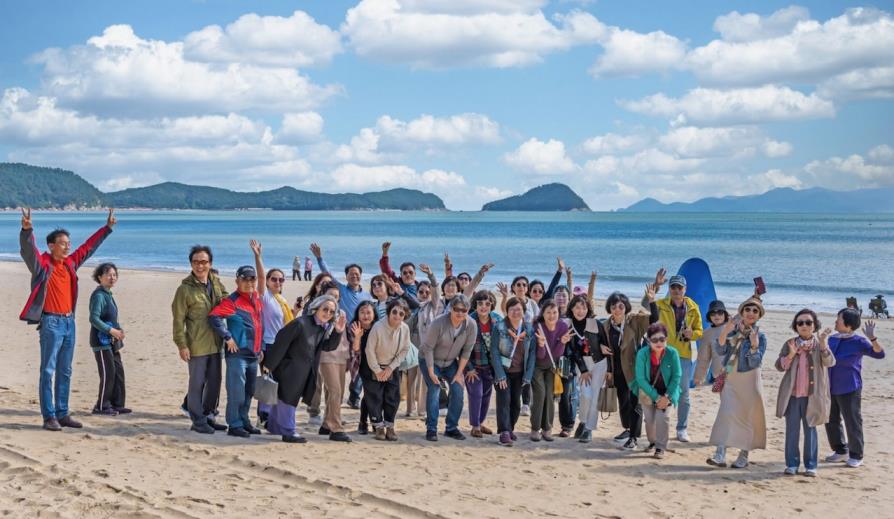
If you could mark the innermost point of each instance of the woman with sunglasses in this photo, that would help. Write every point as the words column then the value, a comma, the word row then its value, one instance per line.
column 552, row 335
column 708, row 366
column 388, row 344
column 314, row 290
column 480, row 370
column 365, row 317
column 294, row 360
column 657, row 386
column 519, row 287
column 804, row 397
column 622, row 335
column 383, row 288
column 275, row 311
column 430, row 306
column 740, row 420
column 517, row 353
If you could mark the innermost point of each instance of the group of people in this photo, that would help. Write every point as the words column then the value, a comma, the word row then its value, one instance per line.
column 535, row 348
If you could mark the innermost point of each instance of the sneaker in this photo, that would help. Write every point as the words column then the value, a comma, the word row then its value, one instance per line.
column 535, row 436
column 202, row 428
column 339, row 437
column 854, row 463
column 442, row 412
column 625, row 434
column 836, row 458
column 455, row 434
column 683, row 436
column 547, row 436
column 505, row 439
column 380, row 433
column 810, row 473
column 525, row 410
column 659, row 454
column 513, row 436
column 324, row 430
column 315, row 421
column 363, row 428
column 476, row 432
column 354, row 404
column 485, row 430
column 791, row 471
column 184, row 410
column 586, row 436
column 565, row 433
column 122, row 410
column 252, row 430
column 216, row 426
column 716, row 461
column 741, row 462
column 294, row 438
column 390, row 434
column 68, row 421
column 51, row 424
column 649, row 447
column 579, row 431
column 629, row 445
column 239, row 432
column 431, row 436
column 105, row 412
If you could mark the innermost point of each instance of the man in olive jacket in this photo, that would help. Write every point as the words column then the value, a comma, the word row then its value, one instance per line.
column 197, row 294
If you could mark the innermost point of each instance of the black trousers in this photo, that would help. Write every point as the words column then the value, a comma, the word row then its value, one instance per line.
column 526, row 395
column 306, row 275
column 566, row 410
column 515, row 399
column 382, row 399
column 628, row 406
column 111, row 379
column 296, row 274
column 846, row 406
column 205, row 377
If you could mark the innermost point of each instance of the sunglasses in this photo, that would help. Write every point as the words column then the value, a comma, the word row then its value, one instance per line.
column 536, row 290
column 750, row 310
column 658, row 339
column 401, row 313
column 248, row 278
column 520, row 284
column 459, row 310
column 464, row 278
column 326, row 310
column 378, row 283
column 201, row 262
column 803, row 323
column 278, row 280
column 407, row 272
column 618, row 305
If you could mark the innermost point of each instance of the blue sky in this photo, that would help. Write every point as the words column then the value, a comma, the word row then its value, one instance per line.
column 470, row 99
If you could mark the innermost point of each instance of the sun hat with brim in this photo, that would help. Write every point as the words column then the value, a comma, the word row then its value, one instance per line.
column 753, row 301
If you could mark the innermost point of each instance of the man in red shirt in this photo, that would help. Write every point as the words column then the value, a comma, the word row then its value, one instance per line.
column 51, row 305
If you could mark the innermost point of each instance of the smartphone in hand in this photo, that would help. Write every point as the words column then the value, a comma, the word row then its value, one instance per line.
column 759, row 287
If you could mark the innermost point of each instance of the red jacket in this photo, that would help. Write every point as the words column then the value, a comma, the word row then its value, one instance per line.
column 41, row 267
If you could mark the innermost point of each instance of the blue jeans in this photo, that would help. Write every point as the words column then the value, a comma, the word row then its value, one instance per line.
column 241, row 373
column 57, row 343
column 455, row 403
column 795, row 418
column 683, row 408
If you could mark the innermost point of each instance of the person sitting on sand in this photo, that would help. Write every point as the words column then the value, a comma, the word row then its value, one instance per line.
column 657, row 386
column 106, row 340
column 51, row 305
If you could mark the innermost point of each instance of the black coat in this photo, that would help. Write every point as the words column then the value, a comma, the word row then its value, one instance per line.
column 294, row 357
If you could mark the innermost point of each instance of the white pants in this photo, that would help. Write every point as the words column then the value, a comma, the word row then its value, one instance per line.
column 589, row 395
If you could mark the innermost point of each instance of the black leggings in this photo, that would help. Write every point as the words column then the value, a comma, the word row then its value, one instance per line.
column 515, row 397
column 111, row 380
column 628, row 406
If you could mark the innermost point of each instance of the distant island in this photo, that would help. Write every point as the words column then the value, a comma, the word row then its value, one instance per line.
column 782, row 200
column 23, row 185
column 548, row 197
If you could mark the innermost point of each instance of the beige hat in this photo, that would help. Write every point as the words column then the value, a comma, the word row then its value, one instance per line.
column 754, row 300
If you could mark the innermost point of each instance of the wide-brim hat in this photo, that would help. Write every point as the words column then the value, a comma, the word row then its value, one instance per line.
column 753, row 301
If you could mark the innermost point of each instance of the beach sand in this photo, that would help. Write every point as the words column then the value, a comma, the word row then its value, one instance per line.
column 148, row 464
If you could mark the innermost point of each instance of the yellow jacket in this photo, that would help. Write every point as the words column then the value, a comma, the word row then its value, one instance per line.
column 693, row 319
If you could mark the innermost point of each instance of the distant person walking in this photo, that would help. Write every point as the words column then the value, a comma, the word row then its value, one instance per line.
column 106, row 341
column 51, row 305
column 308, row 268
column 296, row 268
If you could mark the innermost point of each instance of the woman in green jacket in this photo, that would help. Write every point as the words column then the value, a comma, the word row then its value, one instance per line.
column 106, row 340
column 657, row 384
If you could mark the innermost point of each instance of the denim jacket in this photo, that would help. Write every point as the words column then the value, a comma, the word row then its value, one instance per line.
column 747, row 360
column 504, row 349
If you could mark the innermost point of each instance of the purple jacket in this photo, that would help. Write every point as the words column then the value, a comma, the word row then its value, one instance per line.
column 845, row 376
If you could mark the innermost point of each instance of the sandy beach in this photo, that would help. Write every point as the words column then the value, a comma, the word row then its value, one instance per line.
column 148, row 464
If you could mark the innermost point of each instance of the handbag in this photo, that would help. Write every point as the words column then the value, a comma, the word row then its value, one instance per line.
column 443, row 395
column 266, row 389
column 717, row 387
column 411, row 360
column 608, row 400
column 558, row 387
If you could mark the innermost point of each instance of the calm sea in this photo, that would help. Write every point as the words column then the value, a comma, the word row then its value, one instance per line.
column 811, row 260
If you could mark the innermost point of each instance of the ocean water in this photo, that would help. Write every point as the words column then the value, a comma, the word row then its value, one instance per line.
column 812, row 260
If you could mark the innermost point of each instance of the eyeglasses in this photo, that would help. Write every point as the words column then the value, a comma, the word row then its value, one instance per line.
column 536, row 290
column 657, row 339
column 201, row 262
column 326, row 310
column 618, row 305
column 803, row 323
column 399, row 312
column 278, row 280
column 407, row 272
column 483, row 302
column 459, row 310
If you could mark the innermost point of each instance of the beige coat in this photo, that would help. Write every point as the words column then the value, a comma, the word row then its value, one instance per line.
column 387, row 346
column 818, row 401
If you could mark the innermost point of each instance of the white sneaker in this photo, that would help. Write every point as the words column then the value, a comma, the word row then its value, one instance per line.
column 791, row 471
column 525, row 410
column 315, row 421
column 741, row 462
column 810, row 473
column 836, row 458
column 683, row 436
column 852, row 463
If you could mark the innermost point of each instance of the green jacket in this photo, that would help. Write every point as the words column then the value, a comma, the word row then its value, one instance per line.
column 670, row 371
column 190, row 308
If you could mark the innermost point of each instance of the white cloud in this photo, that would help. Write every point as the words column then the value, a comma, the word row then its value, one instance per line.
column 760, row 50
column 775, row 178
column 453, row 130
column 294, row 41
column 300, row 127
column 741, row 141
column 735, row 27
column 364, row 147
column 123, row 74
column 613, row 143
column 543, row 158
column 736, row 106
column 864, row 83
column 480, row 34
column 882, row 153
column 629, row 53
column 854, row 171
column 356, row 177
